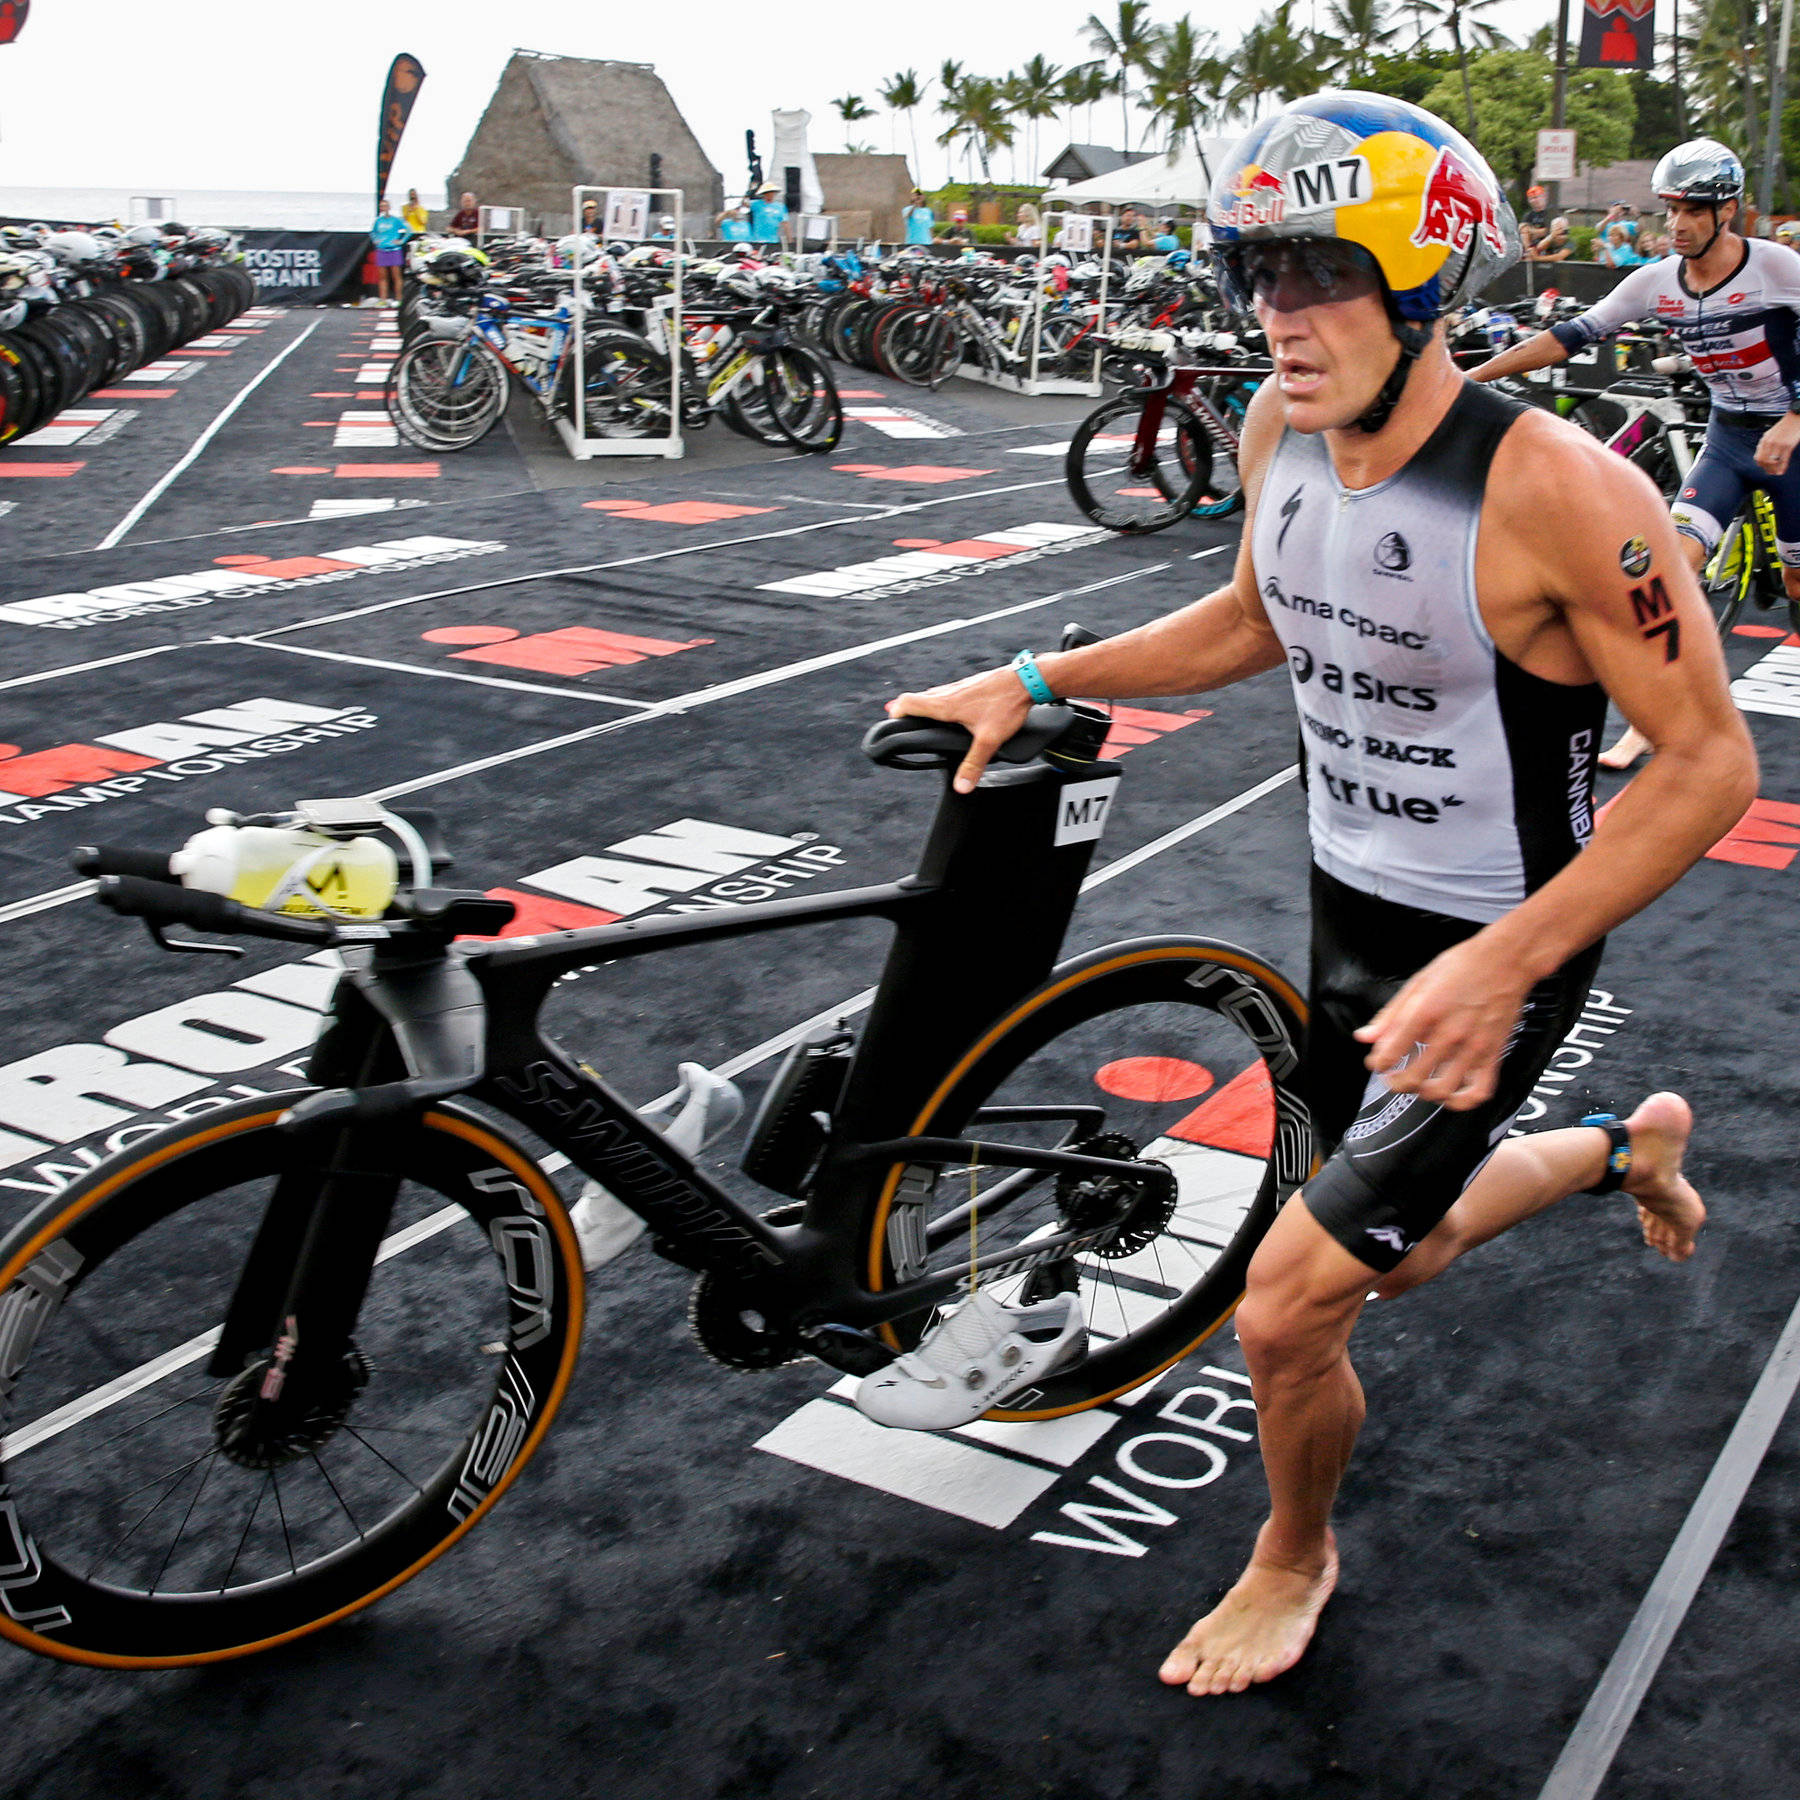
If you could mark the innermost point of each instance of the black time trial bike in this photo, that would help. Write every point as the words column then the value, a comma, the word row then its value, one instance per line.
column 262, row 1368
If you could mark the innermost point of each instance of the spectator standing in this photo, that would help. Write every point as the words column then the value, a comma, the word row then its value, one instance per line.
column 1788, row 232
column 1166, row 240
column 1534, row 221
column 388, row 234
column 768, row 215
column 466, row 222
column 959, row 228
column 1028, row 229
column 734, row 223
column 414, row 213
column 918, row 220
column 1128, row 234
column 590, row 218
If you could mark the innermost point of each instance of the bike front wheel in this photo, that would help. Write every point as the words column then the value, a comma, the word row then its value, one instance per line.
column 446, row 393
column 135, row 1532
column 1181, row 1051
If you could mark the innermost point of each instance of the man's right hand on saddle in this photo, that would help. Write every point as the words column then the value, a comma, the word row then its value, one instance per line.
column 991, row 707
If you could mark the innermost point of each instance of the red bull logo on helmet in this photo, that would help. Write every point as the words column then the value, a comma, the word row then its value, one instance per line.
column 1457, row 203
column 1261, row 199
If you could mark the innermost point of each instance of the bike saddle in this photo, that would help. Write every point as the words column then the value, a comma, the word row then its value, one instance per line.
column 1065, row 734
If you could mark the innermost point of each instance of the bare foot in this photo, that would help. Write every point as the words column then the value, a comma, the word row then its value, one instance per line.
column 1668, row 1208
column 1626, row 751
column 1258, row 1631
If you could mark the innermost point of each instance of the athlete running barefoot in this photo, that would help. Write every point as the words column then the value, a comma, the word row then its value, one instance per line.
column 1734, row 305
column 1451, row 660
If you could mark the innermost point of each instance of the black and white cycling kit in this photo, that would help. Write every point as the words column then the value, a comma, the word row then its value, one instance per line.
column 1743, row 337
column 1444, row 784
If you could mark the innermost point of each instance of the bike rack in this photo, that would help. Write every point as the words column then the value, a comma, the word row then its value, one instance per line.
column 1035, row 382
column 630, row 213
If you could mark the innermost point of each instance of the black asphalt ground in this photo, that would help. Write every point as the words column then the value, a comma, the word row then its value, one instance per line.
column 558, row 658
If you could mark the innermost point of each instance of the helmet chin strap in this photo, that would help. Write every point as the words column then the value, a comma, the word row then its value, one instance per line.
column 1695, row 255
column 1412, row 338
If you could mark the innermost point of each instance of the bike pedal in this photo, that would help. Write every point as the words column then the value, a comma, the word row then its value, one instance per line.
column 844, row 1347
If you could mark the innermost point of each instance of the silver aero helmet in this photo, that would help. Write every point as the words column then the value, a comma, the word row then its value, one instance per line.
column 1702, row 169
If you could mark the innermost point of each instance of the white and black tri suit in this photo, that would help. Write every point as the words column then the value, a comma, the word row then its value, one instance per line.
column 1743, row 337
column 1444, row 784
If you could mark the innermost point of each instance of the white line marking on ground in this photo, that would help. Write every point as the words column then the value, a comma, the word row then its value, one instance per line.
column 650, row 556
column 400, row 668
column 681, row 703
column 200, row 443
column 103, row 662
column 748, row 683
column 1614, row 1703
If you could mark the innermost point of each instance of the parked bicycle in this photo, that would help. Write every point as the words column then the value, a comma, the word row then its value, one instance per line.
column 1166, row 450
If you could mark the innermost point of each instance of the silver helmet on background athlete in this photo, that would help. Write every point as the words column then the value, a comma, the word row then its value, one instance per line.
column 1702, row 169
column 1703, row 172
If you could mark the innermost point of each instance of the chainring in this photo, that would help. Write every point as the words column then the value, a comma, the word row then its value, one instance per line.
column 1142, row 1209
column 730, row 1324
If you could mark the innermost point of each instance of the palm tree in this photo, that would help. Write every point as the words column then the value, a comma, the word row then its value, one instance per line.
column 950, row 79
column 1085, row 85
column 1427, row 16
column 1275, row 58
column 850, row 109
column 1460, row 17
column 1034, row 92
column 1185, row 77
column 902, row 93
column 978, row 115
column 1125, row 42
column 1360, row 33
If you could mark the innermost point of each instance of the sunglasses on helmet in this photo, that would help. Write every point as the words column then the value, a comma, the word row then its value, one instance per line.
column 1289, row 274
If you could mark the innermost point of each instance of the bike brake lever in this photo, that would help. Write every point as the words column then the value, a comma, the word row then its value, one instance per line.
column 194, row 947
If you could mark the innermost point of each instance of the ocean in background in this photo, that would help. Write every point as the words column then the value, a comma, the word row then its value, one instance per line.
column 236, row 209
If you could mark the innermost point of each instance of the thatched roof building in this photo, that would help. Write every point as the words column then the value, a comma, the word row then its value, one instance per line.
column 556, row 121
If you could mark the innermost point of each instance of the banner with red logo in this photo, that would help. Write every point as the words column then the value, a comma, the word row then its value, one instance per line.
column 12, row 18
column 1617, row 34
column 404, row 78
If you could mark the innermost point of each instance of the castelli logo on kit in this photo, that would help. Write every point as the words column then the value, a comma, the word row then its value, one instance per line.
column 1457, row 202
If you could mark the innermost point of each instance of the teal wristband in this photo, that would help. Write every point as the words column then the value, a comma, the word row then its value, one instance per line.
column 1024, row 665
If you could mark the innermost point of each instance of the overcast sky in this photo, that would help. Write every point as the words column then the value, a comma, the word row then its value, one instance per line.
column 254, row 95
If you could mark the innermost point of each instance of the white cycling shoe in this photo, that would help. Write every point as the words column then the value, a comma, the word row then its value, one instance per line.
column 702, row 1105
column 972, row 1360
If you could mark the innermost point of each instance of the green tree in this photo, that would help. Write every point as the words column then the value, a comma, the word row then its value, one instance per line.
column 1511, row 91
column 851, row 110
column 902, row 93
column 1359, row 32
column 1085, row 85
column 1462, row 17
column 1656, row 128
column 1184, row 80
column 1276, row 58
column 979, row 116
column 1035, row 91
column 1126, row 42
column 1410, row 76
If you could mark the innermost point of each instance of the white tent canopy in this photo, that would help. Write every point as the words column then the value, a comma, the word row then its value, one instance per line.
column 1154, row 182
